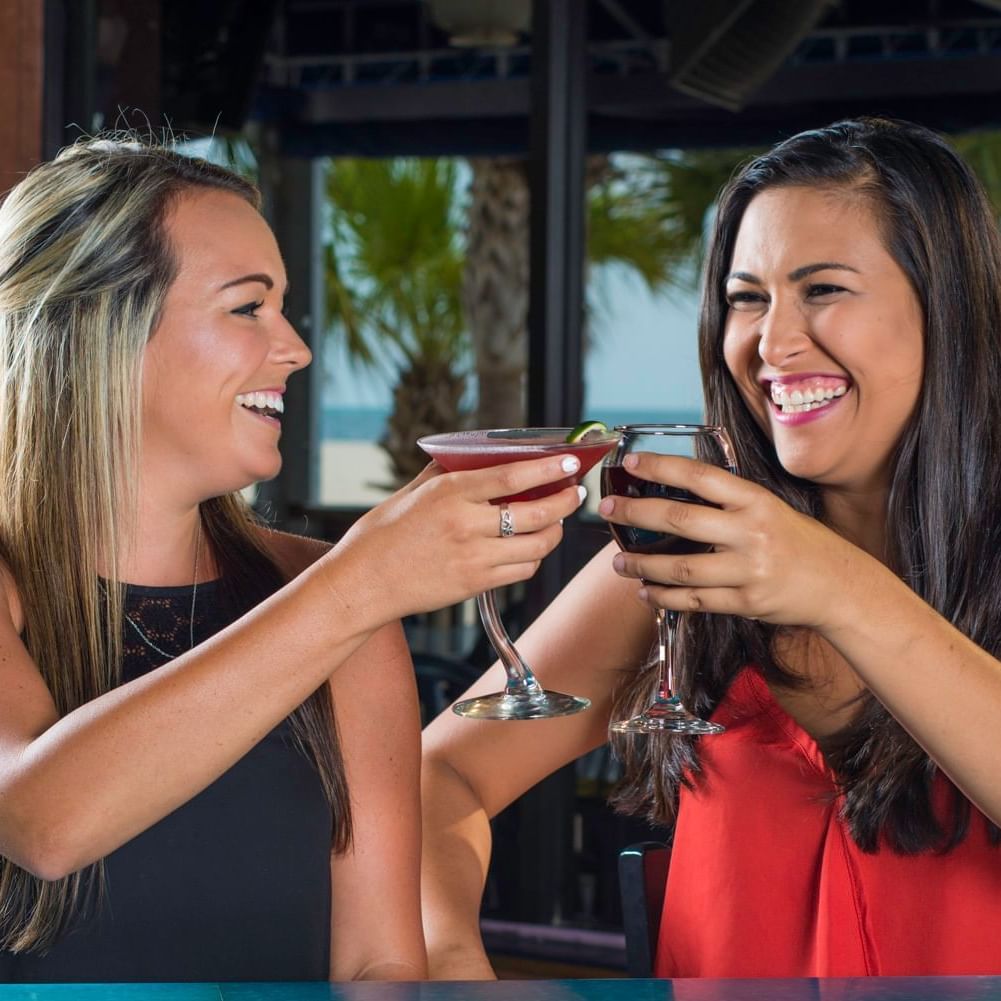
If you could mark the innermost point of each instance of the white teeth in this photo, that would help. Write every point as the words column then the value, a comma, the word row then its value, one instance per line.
column 262, row 401
column 802, row 408
column 801, row 400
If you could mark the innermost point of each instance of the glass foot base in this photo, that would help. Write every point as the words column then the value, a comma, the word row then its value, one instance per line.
column 666, row 716
column 532, row 705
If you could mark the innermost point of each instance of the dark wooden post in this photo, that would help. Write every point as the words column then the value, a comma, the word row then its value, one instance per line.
column 293, row 203
column 555, row 381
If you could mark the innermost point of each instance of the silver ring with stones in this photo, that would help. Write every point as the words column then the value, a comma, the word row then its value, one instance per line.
column 506, row 522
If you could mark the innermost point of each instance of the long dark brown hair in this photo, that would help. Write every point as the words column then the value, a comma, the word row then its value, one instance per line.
column 85, row 264
column 943, row 532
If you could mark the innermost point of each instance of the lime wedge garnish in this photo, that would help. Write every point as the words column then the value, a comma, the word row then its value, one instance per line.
column 583, row 429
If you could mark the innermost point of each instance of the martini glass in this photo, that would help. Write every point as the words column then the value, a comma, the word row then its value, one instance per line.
column 710, row 444
column 523, row 697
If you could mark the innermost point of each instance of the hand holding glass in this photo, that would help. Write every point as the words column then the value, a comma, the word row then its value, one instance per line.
column 523, row 697
column 710, row 444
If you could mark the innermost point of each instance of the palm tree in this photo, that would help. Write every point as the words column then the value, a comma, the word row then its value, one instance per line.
column 393, row 276
column 411, row 288
column 495, row 287
column 644, row 212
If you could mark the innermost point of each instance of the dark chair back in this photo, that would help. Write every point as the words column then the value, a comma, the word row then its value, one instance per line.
column 642, row 881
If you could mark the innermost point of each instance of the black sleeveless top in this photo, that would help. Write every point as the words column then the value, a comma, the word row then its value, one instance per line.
column 234, row 884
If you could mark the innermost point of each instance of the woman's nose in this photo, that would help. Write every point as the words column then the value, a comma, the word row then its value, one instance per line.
column 783, row 333
column 289, row 348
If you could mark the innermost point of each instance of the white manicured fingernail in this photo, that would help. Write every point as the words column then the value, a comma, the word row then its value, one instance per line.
column 582, row 493
column 570, row 464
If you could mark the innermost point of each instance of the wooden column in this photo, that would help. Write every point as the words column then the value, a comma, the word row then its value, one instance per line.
column 21, row 87
column 294, row 194
column 558, row 146
column 557, row 246
column 546, row 869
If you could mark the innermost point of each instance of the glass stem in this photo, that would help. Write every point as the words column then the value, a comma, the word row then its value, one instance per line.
column 520, row 680
column 667, row 627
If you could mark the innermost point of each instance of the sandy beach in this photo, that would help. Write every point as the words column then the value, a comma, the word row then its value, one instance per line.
column 352, row 473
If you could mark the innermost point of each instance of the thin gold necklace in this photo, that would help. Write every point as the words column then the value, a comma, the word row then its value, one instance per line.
column 194, row 595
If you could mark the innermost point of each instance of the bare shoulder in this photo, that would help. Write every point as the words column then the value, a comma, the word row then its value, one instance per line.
column 293, row 553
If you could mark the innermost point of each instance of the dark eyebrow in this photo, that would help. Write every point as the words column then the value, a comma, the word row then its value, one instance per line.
column 266, row 280
column 809, row 269
column 742, row 276
column 794, row 276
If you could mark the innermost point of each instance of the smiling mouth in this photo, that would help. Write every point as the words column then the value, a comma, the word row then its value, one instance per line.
column 806, row 395
column 264, row 404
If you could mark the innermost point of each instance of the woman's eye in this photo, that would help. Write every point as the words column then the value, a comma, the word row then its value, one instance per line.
column 249, row 309
column 735, row 300
column 818, row 291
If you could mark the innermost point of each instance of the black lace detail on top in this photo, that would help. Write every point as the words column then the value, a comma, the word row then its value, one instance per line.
column 163, row 615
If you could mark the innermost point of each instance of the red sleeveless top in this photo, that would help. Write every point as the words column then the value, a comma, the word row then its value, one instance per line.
column 765, row 880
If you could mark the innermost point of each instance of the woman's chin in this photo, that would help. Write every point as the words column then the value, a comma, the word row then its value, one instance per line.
column 250, row 476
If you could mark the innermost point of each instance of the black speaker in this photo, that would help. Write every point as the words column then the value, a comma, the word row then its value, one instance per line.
column 722, row 51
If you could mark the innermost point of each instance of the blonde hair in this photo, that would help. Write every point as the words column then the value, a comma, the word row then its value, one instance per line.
column 85, row 264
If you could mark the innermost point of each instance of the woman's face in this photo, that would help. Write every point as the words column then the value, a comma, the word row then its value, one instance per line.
column 824, row 335
column 216, row 366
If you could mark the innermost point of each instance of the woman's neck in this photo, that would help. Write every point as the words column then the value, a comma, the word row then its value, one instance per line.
column 165, row 548
column 860, row 517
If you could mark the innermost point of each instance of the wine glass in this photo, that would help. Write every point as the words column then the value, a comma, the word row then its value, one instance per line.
column 523, row 697
column 710, row 444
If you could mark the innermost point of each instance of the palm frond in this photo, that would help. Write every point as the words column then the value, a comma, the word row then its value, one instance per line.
column 982, row 151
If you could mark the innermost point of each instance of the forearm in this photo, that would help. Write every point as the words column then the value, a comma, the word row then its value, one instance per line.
column 455, row 858
column 90, row 781
column 942, row 687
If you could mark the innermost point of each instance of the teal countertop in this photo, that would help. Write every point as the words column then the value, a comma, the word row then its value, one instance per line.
column 860, row 989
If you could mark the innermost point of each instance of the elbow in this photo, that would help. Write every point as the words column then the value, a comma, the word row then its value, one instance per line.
column 45, row 847
column 49, row 869
column 54, row 862
column 44, row 857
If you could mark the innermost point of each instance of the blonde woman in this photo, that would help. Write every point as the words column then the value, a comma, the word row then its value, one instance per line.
column 208, row 730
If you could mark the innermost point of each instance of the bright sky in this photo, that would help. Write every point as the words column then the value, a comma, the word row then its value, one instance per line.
column 643, row 349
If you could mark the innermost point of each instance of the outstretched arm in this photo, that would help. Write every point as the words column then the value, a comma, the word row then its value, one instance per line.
column 68, row 795
column 592, row 634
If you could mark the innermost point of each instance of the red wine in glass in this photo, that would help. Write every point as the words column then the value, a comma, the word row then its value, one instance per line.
column 666, row 712
column 619, row 481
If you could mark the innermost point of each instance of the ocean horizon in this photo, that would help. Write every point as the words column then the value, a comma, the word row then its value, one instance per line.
column 369, row 423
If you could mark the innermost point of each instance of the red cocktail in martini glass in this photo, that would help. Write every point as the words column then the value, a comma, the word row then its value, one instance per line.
column 523, row 697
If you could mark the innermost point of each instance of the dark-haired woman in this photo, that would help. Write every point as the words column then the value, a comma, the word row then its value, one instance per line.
column 209, row 733
column 846, row 627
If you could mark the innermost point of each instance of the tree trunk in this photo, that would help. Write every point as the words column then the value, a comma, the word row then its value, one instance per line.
column 495, row 288
column 427, row 399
